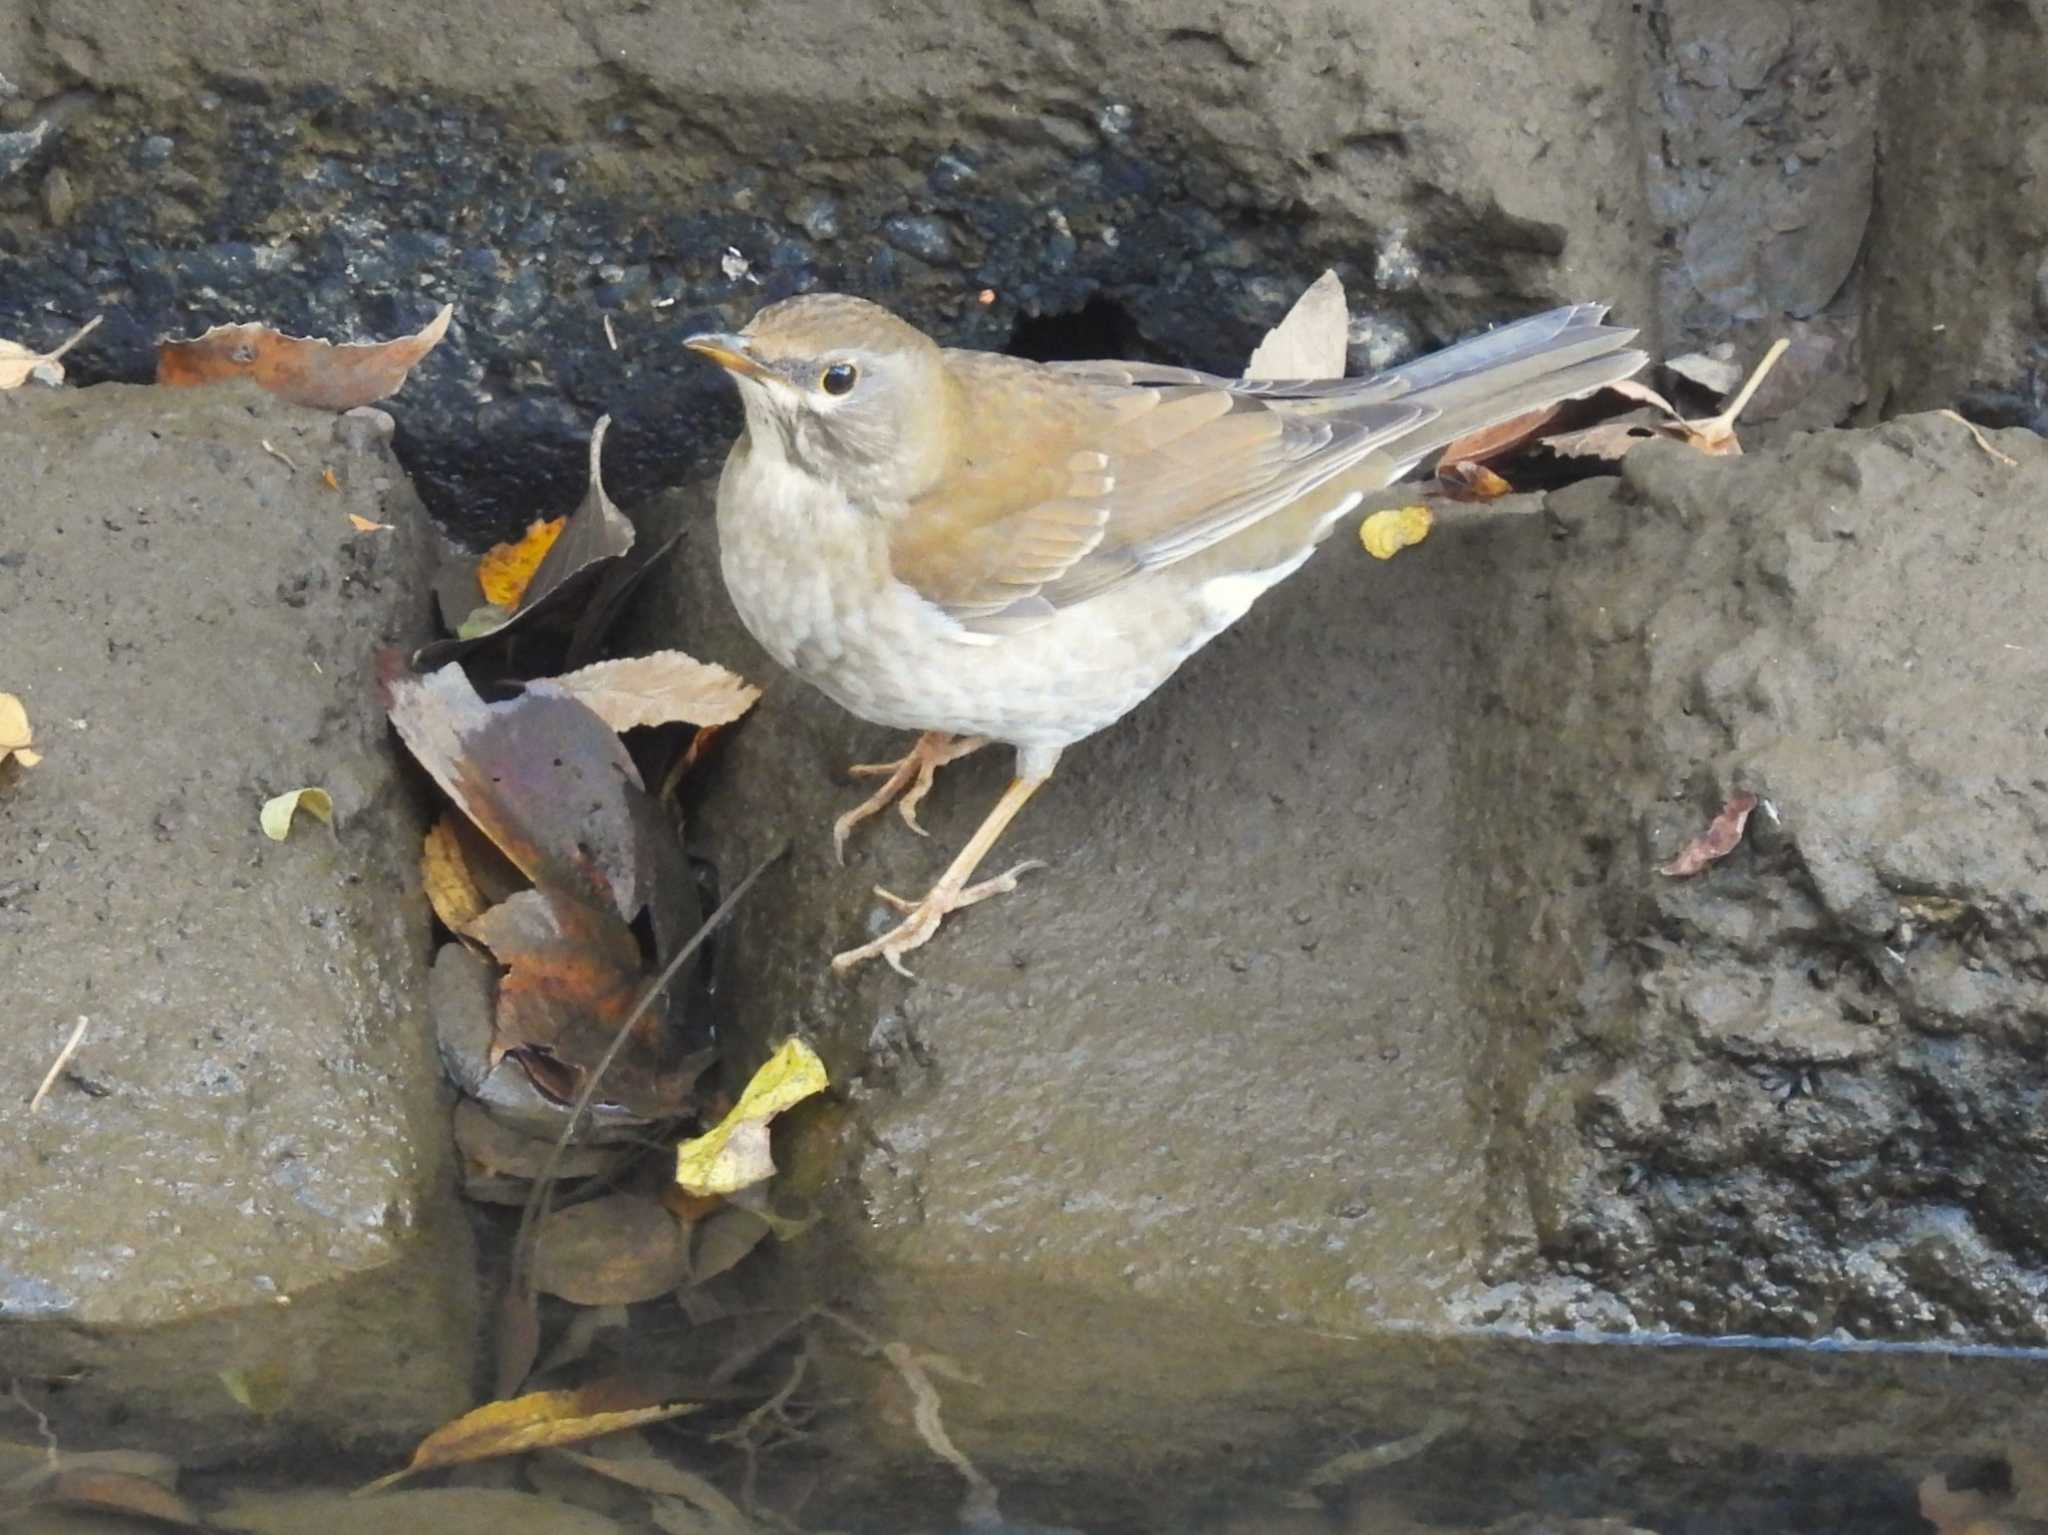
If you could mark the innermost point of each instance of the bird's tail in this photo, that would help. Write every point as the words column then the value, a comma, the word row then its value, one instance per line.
column 1558, row 355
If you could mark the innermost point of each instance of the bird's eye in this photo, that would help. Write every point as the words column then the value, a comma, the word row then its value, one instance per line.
column 838, row 378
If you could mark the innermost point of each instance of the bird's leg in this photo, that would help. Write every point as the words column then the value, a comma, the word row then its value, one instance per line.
column 914, row 769
column 921, row 918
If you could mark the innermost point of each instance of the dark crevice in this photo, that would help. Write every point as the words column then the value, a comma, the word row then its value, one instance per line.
column 1099, row 328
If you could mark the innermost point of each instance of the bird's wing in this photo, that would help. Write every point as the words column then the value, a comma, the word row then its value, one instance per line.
column 1076, row 484
column 1079, row 477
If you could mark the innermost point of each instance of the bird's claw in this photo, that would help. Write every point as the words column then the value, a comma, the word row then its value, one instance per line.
column 921, row 918
column 908, row 780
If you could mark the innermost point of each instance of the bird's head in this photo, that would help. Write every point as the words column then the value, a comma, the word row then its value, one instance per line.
column 845, row 391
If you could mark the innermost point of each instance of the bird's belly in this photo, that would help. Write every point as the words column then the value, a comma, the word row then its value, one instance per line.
column 811, row 582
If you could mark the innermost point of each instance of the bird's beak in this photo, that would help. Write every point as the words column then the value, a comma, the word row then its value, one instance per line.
column 728, row 351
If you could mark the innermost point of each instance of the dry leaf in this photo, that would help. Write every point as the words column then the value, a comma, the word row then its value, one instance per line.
column 302, row 370
column 276, row 817
column 651, row 1474
column 1714, row 435
column 15, row 736
column 1386, row 534
column 615, row 1251
column 451, row 890
column 1717, row 375
column 330, row 479
column 735, row 1154
column 665, row 688
column 540, row 1420
column 719, row 1241
column 597, row 535
column 506, row 569
column 1310, row 341
column 409, row 1511
column 490, row 1146
column 1717, row 841
column 116, row 1492
column 18, row 364
column 363, row 524
column 1492, row 441
column 1464, row 480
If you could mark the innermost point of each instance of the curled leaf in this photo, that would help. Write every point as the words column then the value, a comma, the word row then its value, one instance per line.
column 451, row 889
column 15, row 735
column 278, row 811
column 539, row 1420
column 305, row 371
column 1716, row 842
column 506, row 569
column 1386, row 534
column 662, row 689
column 596, row 534
column 735, row 1153
column 1467, row 481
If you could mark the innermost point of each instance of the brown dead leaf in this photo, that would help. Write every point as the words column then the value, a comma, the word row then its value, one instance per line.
column 572, row 974
column 489, row 1146
column 1714, row 435
column 649, row 1473
column 305, row 371
column 1716, row 842
column 665, row 688
column 506, row 569
column 1464, row 480
column 539, row 1420
column 363, row 524
column 618, row 1250
column 18, row 364
column 330, row 479
column 721, row 1240
column 1492, row 441
column 596, row 536
column 16, row 739
column 116, row 1492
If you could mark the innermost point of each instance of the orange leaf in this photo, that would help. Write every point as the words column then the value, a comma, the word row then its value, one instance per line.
column 537, row 1421
column 451, row 890
column 1717, row 841
column 506, row 568
column 363, row 524
column 306, row 371
column 1463, row 480
column 117, row 1492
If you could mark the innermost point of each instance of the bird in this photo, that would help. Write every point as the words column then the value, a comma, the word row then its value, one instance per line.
column 989, row 549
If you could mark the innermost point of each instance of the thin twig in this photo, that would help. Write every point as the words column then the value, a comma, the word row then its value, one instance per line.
column 48, row 1434
column 57, row 1066
column 1982, row 441
column 521, row 1267
column 1725, row 417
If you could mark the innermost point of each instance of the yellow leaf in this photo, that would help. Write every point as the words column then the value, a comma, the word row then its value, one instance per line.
column 277, row 812
column 540, row 1420
column 506, row 568
column 330, row 479
column 15, row 735
column 363, row 524
column 451, row 889
column 735, row 1154
column 1386, row 534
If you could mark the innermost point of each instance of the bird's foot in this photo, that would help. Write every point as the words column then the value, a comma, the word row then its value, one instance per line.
column 921, row 918
column 909, row 776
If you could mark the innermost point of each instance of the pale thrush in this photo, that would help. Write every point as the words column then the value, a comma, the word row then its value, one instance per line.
column 983, row 548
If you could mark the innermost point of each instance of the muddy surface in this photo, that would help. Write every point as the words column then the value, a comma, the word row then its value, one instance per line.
column 1797, row 1094
column 245, row 1168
